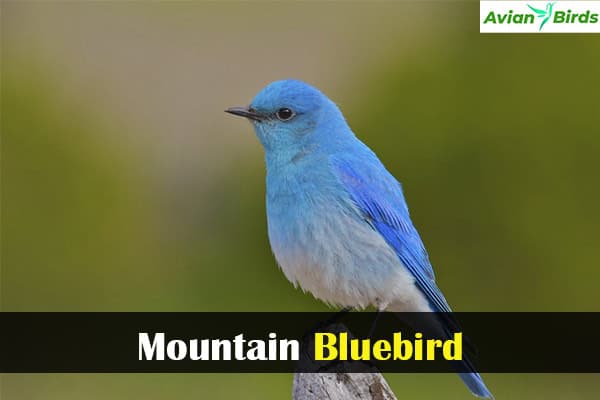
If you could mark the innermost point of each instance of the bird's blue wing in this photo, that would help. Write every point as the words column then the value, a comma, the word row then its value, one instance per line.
column 378, row 196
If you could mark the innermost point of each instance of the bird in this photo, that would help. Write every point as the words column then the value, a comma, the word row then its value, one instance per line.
column 545, row 15
column 337, row 220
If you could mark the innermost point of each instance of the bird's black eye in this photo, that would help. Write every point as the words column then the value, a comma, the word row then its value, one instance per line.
column 285, row 114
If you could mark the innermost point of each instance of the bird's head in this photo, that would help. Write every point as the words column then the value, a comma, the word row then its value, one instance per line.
column 289, row 116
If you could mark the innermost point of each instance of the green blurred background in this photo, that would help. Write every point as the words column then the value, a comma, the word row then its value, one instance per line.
column 126, row 188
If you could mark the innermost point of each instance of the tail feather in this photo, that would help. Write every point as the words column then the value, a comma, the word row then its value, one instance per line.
column 475, row 384
column 472, row 379
column 442, row 325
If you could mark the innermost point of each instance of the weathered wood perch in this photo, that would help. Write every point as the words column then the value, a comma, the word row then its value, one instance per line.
column 341, row 386
column 338, row 384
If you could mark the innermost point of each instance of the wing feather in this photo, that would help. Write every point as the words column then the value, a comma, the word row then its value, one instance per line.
column 379, row 197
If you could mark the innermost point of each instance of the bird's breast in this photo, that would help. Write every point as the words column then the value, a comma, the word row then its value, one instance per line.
column 323, row 244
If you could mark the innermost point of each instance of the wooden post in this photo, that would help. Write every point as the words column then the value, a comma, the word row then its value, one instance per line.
column 341, row 386
column 338, row 384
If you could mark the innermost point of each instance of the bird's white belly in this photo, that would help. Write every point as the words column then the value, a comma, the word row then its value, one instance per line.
column 343, row 261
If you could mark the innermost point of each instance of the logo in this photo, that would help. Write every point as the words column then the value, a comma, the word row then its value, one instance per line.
column 539, row 16
column 544, row 14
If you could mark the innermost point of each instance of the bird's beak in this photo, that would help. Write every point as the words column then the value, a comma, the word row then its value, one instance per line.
column 245, row 112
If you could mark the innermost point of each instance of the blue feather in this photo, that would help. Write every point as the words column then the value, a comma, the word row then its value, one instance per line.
column 382, row 202
column 378, row 195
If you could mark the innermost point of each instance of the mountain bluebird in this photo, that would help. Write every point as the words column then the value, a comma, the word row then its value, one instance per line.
column 337, row 219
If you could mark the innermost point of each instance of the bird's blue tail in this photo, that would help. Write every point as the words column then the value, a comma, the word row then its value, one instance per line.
column 442, row 325
column 475, row 384
column 472, row 379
